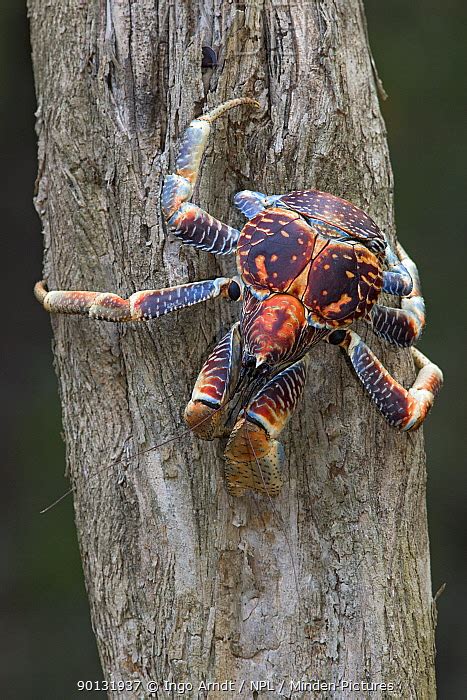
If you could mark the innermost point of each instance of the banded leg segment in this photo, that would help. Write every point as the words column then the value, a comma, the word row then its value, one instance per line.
column 195, row 227
column 141, row 306
column 214, row 387
column 185, row 220
column 254, row 456
column 402, row 409
column 404, row 326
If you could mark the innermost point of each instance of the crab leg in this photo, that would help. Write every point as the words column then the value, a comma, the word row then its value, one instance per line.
column 401, row 327
column 254, row 455
column 188, row 222
column 402, row 409
column 141, row 306
column 251, row 203
column 401, row 276
column 214, row 387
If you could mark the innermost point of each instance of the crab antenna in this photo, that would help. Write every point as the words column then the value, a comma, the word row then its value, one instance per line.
column 187, row 431
column 225, row 106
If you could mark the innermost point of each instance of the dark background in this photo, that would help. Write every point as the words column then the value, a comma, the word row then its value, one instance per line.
column 47, row 642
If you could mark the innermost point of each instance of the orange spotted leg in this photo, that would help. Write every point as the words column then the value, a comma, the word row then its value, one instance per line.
column 185, row 220
column 254, row 456
column 401, row 327
column 402, row 409
column 141, row 306
column 214, row 387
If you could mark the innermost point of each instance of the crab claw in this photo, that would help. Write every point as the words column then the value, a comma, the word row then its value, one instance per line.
column 254, row 461
column 254, row 456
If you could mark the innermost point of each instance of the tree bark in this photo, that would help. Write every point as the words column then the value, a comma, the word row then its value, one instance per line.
column 185, row 583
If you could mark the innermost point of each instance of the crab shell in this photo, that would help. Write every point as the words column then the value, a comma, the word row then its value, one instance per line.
column 324, row 261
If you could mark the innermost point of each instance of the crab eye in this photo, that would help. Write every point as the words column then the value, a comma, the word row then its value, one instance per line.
column 336, row 337
column 234, row 291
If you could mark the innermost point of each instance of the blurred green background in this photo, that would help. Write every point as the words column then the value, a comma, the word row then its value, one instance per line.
column 420, row 51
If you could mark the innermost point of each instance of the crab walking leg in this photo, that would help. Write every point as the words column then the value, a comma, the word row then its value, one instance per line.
column 397, row 280
column 254, row 456
column 404, row 326
column 214, row 387
column 185, row 220
column 402, row 409
column 402, row 275
column 195, row 227
column 251, row 203
column 141, row 306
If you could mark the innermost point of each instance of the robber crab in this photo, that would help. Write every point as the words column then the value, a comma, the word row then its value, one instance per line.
column 309, row 264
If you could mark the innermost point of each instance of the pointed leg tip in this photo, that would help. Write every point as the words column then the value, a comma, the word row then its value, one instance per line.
column 40, row 290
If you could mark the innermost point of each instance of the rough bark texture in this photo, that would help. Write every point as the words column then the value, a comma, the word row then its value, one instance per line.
column 186, row 583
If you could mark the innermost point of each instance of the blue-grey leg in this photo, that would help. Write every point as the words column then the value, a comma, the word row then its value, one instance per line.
column 252, row 203
column 402, row 409
column 401, row 327
column 185, row 220
column 398, row 279
column 140, row 306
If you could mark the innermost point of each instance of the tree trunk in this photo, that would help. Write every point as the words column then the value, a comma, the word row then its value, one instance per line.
column 187, row 584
